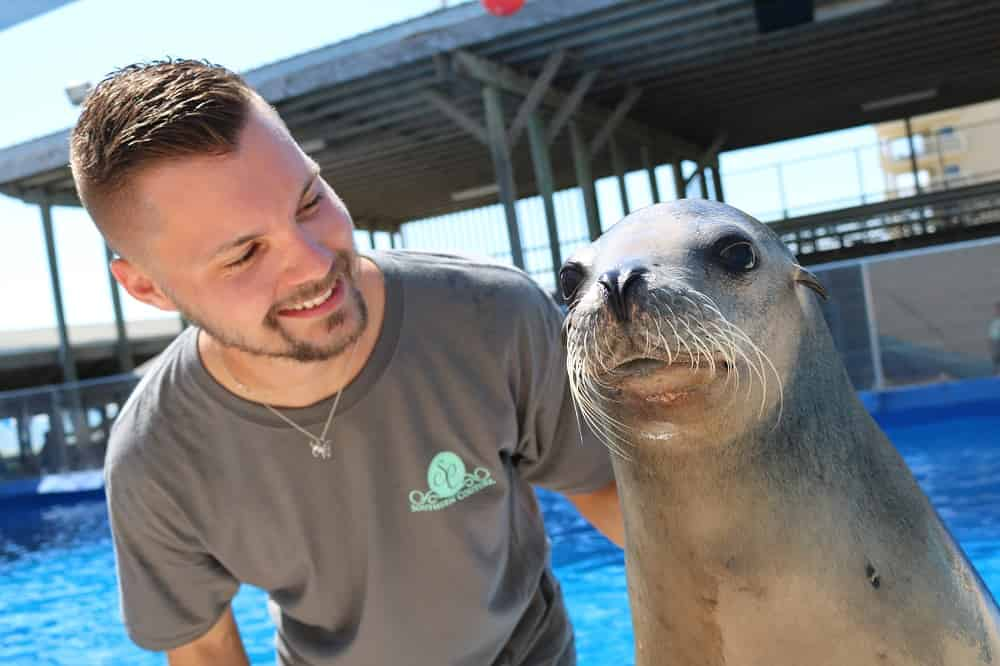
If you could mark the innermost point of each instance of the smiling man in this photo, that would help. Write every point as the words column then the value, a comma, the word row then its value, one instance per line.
column 358, row 435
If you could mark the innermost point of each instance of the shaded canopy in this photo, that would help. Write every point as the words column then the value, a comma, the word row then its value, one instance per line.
column 395, row 117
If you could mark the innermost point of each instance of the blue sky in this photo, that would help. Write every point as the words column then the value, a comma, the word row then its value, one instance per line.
column 85, row 39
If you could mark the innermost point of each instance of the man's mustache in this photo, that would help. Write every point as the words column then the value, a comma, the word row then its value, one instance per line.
column 343, row 264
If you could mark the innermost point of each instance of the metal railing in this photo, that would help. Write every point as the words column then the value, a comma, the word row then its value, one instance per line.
column 771, row 192
column 932, row 212
column 914, row 317
column 862, row 174
column 61, row 428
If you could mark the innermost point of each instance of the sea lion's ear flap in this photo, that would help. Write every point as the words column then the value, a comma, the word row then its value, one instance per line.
column 802, row 276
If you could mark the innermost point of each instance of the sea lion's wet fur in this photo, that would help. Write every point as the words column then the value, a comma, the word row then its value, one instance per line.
column 793, row 534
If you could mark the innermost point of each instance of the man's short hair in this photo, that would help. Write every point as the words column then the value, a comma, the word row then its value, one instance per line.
column 146, row 114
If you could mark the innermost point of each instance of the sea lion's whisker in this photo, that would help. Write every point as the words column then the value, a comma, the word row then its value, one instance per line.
column 582, row 385
column 603, row 426
column 698, row 344
column 707, row 312
column 715, row 344
column 670, row 321
column 678, row 336
column 696, row 341
column 659, row 331
column 738, row 338
column 728, row 347
column 764, row 359
column 708, row 350
column 601, row 356
column 590, row 399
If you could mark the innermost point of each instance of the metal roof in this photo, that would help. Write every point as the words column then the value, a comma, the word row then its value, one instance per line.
column 12, row 13
column 393, row 116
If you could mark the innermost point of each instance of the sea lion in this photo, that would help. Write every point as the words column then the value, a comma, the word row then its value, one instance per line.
column 768, row 519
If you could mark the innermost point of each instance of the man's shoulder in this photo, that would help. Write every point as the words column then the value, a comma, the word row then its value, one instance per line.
column 149, row 405
column 499, row 284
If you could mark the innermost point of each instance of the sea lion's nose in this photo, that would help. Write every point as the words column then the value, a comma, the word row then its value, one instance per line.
column 621, row 287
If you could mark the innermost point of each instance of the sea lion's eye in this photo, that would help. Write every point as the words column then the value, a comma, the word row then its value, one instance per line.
column 736, row 254
column 570, row 277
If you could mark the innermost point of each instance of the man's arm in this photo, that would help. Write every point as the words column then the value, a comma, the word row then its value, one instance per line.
column 220, row 646
column 602, row 510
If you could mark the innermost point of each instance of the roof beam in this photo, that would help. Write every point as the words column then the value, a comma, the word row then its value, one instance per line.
column 570, row 104
column 461, row 118
column 613, row 121
column 44, row 197
column 534, row 96
column 512, row 81
column 707, row 157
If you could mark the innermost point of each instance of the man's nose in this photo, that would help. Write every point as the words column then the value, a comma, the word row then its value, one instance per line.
column 308, row 260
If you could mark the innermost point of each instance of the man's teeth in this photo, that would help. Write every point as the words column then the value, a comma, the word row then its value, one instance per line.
column 314, row 302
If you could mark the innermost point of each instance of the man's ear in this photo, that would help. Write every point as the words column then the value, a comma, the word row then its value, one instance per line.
column 140, row 285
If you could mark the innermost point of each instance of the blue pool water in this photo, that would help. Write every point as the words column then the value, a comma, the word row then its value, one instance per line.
column 58, row 602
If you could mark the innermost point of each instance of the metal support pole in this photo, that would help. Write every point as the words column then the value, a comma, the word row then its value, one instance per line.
column 873, row 339
column 717, row 181
column 125, row 363
column 913, row 156
column 371, row 238
column 680, row 185
column 916, row 172
column 53, row 455
column 703, row 182
column 392, row 240
column 65, row 352
column 618, row 164
column 585, row 179
column 781, row 191
column 25, row 455
column 543, row 178
column 647, row 163
column 500, row 152
column 861, row 179
column 940, row 156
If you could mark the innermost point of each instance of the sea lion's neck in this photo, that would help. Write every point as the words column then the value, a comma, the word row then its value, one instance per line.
column 703, row 518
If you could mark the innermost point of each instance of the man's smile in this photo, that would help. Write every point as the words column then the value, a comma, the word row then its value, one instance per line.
column 321, row 305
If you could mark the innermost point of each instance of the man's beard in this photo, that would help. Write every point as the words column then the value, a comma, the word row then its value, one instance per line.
column 345, row 268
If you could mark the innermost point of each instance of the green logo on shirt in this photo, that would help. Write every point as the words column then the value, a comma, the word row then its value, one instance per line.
column 449, row 482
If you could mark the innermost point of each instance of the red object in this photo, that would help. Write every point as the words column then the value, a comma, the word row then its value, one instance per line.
column 502, row 7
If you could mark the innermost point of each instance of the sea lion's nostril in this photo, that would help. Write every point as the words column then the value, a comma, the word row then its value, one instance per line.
column 621, row 287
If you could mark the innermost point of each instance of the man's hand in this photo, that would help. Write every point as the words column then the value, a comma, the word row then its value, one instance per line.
column 602, row 510
column 220, row 646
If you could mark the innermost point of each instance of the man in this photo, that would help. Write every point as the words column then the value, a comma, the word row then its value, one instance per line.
column 355, row 435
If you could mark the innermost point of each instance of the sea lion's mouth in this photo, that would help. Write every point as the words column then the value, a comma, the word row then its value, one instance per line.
column 645, row 365
column 640, row 366
column 665, row 381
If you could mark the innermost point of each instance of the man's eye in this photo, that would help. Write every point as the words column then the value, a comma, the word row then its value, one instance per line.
column 313, row 202
column 245, row 257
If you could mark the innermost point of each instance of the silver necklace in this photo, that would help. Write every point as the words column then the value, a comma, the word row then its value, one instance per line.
column 322, row 447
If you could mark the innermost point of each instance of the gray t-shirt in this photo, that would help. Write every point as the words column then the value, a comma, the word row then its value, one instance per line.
column 420, row 541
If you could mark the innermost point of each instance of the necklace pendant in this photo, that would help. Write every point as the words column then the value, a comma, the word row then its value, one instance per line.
column 321, row 449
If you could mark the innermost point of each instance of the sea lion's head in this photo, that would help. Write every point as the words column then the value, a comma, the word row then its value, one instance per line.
column 683, row 317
